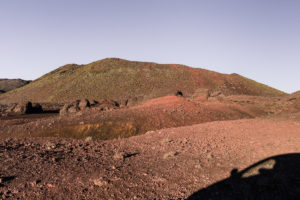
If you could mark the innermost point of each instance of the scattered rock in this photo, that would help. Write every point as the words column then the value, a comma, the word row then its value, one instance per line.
column 198, row 166
column 170, row 154
column 123, row 155
column 50, row 185
column 50, row 145
column 166, row 141
column 119, row 155
column 100, row 182
column 215, row 94
column 89, row 138
column 209, row 156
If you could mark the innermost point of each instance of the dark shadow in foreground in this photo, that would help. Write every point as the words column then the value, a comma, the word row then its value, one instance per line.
column 6, row 179
column 276, row 177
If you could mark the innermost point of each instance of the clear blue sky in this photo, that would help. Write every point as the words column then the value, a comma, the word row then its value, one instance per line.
column 259, row 39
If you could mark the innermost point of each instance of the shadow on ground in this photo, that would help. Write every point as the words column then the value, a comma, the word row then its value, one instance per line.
column 6, row 179
column 276, row 177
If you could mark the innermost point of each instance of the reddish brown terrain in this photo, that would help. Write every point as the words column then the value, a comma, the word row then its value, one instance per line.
column 166, row 164
column 182, row 142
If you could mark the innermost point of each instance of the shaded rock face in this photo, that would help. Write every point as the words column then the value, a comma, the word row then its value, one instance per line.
column 24, row 108
column 52, row 107
column 29, row 108
column 179, row 93
column 11, row 84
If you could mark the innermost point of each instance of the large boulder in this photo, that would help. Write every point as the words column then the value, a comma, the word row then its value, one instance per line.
column 74, row 107
column 26, row 108
column 123, row 102
column 106, row 104
column 83, row 104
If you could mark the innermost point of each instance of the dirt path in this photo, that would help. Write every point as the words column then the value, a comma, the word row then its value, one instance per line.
column 167, row 164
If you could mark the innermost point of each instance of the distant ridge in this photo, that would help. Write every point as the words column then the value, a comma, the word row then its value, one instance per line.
column 11, row 84
column 120, row 79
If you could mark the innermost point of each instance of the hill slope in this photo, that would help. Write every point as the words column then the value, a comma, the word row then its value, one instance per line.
column 119, row 79
column 11, row 84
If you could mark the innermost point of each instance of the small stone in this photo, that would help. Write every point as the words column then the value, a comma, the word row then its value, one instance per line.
column 166, row 141
column 99, row 182
column 170, row 154
column 50, row 145
column 198, row 166
column 119, row 155
column 49, row 185
column 15, row 191
column 210, row 156
column 89, row 138
column 33, row 184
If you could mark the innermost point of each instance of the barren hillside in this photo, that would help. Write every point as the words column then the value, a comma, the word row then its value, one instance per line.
column 11, row 84
column 119, row 79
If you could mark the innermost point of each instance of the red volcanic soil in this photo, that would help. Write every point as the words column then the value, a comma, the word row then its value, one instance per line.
column 164, row 112
column 187, row 162
column 171, row 163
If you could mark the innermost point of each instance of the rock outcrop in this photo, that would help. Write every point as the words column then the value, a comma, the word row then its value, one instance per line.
column 85, row 104
column 74, row 107
column 23, row 108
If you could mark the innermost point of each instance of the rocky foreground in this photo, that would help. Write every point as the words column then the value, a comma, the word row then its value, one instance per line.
column 173, row 163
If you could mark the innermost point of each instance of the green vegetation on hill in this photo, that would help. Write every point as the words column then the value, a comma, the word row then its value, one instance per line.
column 120, row 79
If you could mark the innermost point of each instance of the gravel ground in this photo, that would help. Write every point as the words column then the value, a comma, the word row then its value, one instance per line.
column 172, row 163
